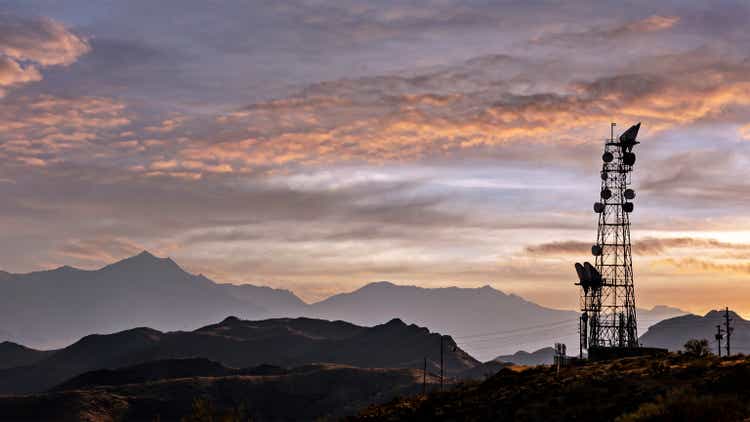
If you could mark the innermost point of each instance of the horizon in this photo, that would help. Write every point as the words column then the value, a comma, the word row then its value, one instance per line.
column 317, row 145
column 311, row 302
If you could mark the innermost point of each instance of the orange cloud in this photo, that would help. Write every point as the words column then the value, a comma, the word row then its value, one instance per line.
column 41, row 41
column 653, row 23
column 385, row 119
column 12, row 73
column 695, row 265
column 650, row 246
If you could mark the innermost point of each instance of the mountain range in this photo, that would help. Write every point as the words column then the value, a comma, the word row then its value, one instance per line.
column 237, row 343
column 673, row 333
column 48, row 309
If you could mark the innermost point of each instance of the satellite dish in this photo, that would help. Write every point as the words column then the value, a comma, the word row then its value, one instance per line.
column 583, row 277
column 627, row 139
column 606, row 193
column 595, row 278
column 598, row 207
column 580, row 272
column 627, row 206
column 596, row 250
column 628, row 158
column 629, row 194
column 607, row 157
column 604, row 175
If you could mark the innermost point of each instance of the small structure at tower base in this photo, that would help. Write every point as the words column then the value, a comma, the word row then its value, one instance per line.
column 608, row 353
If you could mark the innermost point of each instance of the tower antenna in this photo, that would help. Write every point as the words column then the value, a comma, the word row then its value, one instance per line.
column 608, row 315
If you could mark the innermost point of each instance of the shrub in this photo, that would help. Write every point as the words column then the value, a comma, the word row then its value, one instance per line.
column 697, row 348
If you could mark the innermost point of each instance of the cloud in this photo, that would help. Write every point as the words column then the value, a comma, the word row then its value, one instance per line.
column 653, row 23
column 649, row 246
column 12, row 73
column 45, row 127
column 41, row 40
column 599, row 35
column 697, row 265
column 104, row 250
column 471, row 109
column 29, row 43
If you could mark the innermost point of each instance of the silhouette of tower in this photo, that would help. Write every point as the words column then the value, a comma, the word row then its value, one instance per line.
column 608, row 317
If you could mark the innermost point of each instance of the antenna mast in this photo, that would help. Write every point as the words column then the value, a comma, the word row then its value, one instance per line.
column 608, row 316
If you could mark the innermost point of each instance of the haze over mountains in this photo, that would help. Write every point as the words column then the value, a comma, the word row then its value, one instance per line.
column 48, row 309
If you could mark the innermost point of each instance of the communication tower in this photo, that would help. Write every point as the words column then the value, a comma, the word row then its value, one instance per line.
column 608, row 318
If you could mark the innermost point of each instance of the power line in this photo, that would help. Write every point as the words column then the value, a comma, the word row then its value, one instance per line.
column 515, row 329
column 492, row 333
column 514, row 335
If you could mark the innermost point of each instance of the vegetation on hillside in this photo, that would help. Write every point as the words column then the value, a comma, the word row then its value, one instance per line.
column 676, row 387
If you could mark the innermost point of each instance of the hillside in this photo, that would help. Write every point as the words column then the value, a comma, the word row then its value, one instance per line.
column 12, row 355
column 239, row 344
column 674, row 388
column 674, row 332
column 306, row 393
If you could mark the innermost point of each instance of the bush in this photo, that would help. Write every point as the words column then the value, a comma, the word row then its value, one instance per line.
column 697, row 348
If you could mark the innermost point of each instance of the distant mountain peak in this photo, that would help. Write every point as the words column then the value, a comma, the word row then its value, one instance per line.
column 145, row 260
column 381, row 284
column 720, row 313
column 67, row 268
column 395, row 322
column 230, row 320
column 146, row 256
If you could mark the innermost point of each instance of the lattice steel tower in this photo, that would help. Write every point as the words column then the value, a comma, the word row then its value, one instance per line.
column 608, row 317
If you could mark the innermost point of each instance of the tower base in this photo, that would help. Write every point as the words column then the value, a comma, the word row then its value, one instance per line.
column 608, row 353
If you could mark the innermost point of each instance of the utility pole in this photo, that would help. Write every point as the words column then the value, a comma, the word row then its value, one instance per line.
column 728, row 329
column 719, row 335
column 442, row 362
column 424, row 377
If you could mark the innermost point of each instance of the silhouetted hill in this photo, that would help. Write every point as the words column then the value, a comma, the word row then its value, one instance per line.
column 238, row 343
column 91, row 352
column 674, row 332
column 544, row 356
column 302, row 394
column 50, row 308
column 12, row 355
column 149, row 371
column 670, row 388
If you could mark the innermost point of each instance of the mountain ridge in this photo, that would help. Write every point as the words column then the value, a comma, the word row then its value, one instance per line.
column 51, row 308
column 237, row 343
column 672, row 333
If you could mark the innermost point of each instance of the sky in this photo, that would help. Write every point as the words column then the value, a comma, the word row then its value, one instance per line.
column 320, row 145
